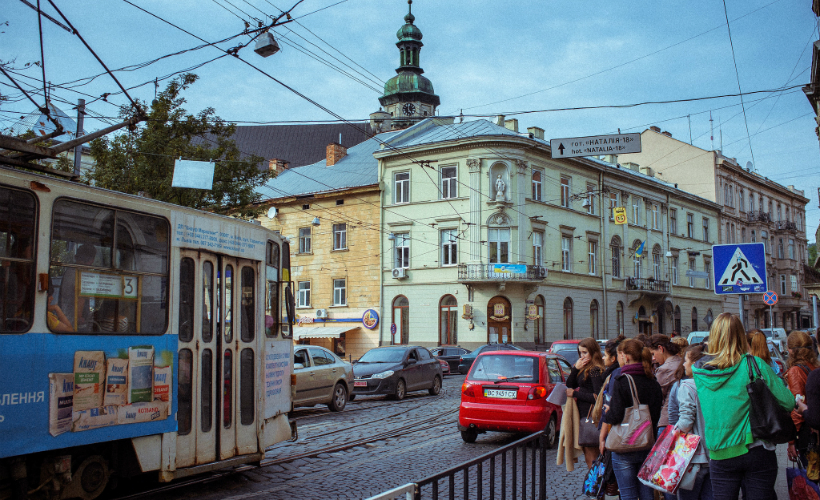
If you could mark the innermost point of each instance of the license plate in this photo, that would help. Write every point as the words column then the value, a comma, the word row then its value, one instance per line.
column 359, row 383
column 499, row 393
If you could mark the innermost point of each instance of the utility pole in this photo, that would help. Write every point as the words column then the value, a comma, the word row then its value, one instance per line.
column 689, row 118
column 712, row 130
column 78, row 150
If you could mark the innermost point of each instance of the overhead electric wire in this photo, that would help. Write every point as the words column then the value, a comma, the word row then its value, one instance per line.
column 737, row 74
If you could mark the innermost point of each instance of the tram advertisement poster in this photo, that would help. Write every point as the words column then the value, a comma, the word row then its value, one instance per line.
column 278, row 358
column 63, row 391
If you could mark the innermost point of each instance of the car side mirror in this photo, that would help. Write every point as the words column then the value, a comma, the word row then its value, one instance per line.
column 298, row 366
column 411, row 361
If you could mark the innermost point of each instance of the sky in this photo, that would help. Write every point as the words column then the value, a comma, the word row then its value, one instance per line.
column 484, row 57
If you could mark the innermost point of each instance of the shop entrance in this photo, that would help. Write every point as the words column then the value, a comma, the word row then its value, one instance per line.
column 499, row 321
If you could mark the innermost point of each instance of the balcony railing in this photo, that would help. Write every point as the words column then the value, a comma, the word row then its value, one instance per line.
column 647, row 285
column 755, row 216
column 784, row 225
column 501, row 272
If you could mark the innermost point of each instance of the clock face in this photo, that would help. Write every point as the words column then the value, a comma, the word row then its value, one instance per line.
column 409, row 109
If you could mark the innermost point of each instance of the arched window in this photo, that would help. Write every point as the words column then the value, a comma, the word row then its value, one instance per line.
column 567, row 318
column 656, row 262
column 539, row 335
column 448, row 320
column 677, row 319
column 619, row 317
column 636, row 260
column 593, row 319
column 401, row 318
column 615, row 248
column 694, row 319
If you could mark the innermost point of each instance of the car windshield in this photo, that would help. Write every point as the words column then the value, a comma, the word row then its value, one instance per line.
column 494, row 367
column 570, row 353
column 767, row 333
column 389, row 355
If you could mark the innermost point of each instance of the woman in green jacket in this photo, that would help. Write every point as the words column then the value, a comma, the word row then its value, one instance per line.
column 738, row 460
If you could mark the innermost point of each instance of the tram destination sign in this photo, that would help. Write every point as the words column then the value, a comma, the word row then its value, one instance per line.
column 614, row 144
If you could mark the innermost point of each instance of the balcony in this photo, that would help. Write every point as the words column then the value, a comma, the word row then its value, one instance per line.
column 784, row 225
column 758, row 216
column 647, row 285
column 499, row 273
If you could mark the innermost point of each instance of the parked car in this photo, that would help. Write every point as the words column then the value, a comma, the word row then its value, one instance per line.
column 321, row 378
column 696, row 337
column 466, row 360
column 450, row 353
column 445, row 366
column 774, row 333
column 566, row 348
column 395, row 371
column 507, row 391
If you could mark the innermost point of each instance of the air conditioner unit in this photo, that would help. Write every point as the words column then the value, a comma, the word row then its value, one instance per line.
column 540, row 272
column 321, row 313
column 399, row 273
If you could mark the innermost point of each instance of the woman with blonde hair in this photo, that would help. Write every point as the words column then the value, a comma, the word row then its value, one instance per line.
column 737, row 460
column 802, row 360
column 584, row 383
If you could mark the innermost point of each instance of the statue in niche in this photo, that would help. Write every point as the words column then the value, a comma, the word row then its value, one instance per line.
column 500, row 186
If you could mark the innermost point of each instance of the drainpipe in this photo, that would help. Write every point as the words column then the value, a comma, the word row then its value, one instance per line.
column 814, row 310
column 602, row 250
column 381, row 258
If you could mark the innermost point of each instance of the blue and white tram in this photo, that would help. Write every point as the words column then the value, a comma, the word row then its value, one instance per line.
column 135, row 336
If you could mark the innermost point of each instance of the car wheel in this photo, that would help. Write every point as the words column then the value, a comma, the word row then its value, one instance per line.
column 551, row 433
column 351, row 397
column 436, row 386
column 339, row 400
column 401, row 390
column 469, row 436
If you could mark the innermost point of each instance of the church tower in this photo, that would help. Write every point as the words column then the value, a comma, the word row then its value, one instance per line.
column 409, row 96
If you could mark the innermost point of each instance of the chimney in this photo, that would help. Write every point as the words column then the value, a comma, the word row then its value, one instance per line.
column 511, row 124
column 335, row 152
column 655, row 129
column 277, row 165
column 537, row 133
column 667, row 134
column 500, row 120
column 647, row 171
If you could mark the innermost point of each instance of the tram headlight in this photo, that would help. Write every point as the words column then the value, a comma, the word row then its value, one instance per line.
column 384, row 374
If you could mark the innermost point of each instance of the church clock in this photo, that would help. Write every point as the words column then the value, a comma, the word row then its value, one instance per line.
column 409, row 109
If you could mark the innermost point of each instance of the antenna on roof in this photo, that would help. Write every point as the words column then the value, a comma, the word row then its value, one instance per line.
column 712, row 130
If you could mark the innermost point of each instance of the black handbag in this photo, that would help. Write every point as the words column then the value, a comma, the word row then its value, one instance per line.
column 769, row 421
column 588, row 433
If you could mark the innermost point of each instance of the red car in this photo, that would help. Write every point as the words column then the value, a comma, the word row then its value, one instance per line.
column 506, row 391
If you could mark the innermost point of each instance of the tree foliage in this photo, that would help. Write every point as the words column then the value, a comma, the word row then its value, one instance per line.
column 142, row 160
column 812, row 253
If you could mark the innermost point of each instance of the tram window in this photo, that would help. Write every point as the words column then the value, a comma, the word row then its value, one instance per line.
column 205, row 395
column 273, row 254
column 227, row 390
column 109, row 268
column 18, row 216
column 185, row 411
column 229, row 303
column 248, row 304
column 207, row 301
column 246, row 371
column 272, row 317
column 287, row 309
column 186, row 299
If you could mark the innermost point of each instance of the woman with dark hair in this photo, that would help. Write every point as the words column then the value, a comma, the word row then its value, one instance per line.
column 802, row 361
column 737, row 460
column 636, row 364
column 691, row 420
column 665, row 353
column 584, row 383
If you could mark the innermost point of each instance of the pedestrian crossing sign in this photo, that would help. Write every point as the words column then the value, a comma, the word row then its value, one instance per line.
column 740, row 268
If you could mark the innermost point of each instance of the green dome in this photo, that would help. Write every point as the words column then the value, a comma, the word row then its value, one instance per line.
column 408, row 82
column 409, row 31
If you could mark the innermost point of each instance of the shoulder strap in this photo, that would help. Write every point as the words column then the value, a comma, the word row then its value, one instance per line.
column 750, row 362
column 634, row 391
column 805, row 369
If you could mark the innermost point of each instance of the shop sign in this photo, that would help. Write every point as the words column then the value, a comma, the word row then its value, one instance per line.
column 370, row 319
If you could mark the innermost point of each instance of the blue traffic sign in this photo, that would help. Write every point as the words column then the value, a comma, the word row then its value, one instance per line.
column 770, row 298
column 739, row 268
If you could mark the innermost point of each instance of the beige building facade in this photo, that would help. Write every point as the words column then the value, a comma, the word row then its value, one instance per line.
column 753, row 209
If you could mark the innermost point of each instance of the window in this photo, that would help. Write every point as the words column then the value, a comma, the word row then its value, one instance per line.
column 636, row 210
column 656, row 217
column 636, row 260
column 247, row 304
column 339, row 236
column 340, row 202
column 728, row 236
column 499, row 246
column 740, row 201
column 566, row 253
column 707, row 267
column 692, row 267
column 401, row 318
column 673, row 221
column 593, row 252
column 613, row 202
column 208, row 315
column 705, row 229
column 694, row 319
column 780, row 248
column 770, row 210
column 674, row 270
column 185, row 407
column 753, row 237
column 783, row 285
column 93, row 248
column 590, row 198
column 340, row 292
column 779, row 213
column 791, row 249
column 656, row 262
column 304, row 294
column 565, row 192
column 619, row 317
column 537, row 248
column 187, row 276
column 449, row 182
column 402, row 251
column 401, row 181
column 304, row 240
column 536, row 185
column 539, row 333
column 690, row 225
column 448, row 320
column 18, row 219
column 567, row 318
column 593, row 319
column 743, row 235
column 449, row 247
column 751, row 202
column 793, row 283
column 615, row 248
column 733, row 233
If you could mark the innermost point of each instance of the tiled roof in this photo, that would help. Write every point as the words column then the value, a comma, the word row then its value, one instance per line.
column 37, row 122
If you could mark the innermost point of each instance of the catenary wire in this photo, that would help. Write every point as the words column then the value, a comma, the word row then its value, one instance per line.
column 737, row 75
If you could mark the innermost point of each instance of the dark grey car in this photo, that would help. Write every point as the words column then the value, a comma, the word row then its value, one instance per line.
column 395, row 371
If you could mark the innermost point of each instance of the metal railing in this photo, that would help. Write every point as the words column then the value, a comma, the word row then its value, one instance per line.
column 501, row 272
column 784, row 225
column 406, row 492
column 647, row 284
column 759, row 215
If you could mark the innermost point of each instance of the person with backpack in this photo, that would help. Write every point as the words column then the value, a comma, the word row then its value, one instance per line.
column 738, row 461
column 802, row 361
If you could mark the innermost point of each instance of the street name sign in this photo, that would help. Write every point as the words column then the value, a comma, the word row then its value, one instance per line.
column 614, row 144
column 739, row 268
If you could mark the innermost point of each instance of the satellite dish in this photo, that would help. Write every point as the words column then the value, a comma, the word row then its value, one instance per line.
column 749, row 166
column 272, row 212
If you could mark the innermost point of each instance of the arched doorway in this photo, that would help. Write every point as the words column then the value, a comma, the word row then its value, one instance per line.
column 401, row 320
column 499, row 320
column 448, row 320
column 568, row 334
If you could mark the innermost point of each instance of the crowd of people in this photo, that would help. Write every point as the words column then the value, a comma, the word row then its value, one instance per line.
column 699, row 389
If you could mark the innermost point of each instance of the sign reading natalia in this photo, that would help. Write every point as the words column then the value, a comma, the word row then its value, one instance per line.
column 614, row 144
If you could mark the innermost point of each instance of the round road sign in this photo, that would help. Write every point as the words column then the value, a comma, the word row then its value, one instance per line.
column 393, row 329
column 770, row 298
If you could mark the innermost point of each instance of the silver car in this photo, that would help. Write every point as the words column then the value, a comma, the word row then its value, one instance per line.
column 321, row 378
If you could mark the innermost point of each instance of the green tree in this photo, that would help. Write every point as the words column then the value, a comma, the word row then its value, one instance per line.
column 812, row 253
column 143, row 159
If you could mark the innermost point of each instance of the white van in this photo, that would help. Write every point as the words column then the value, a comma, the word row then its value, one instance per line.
column 774, row 333
column 696, row 337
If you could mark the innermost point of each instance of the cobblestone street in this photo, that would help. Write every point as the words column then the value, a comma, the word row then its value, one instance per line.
column 394, row 443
